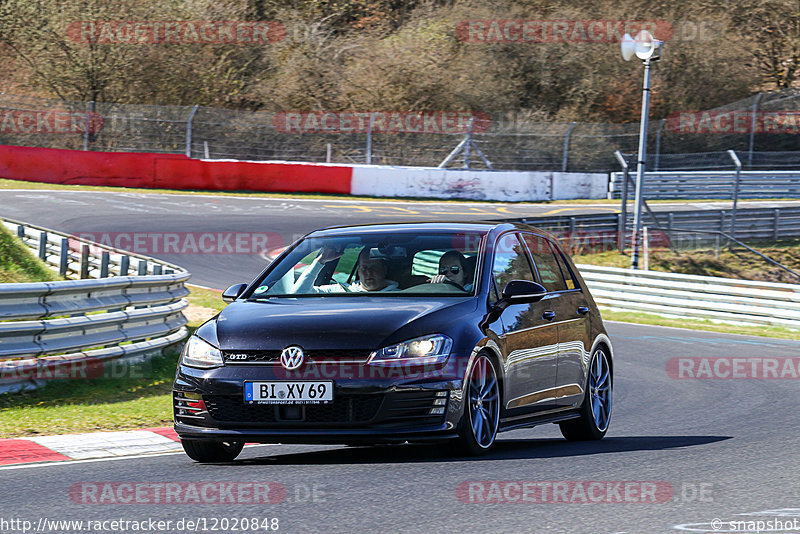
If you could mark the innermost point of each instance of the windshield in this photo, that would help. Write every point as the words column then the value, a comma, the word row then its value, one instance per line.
column 376, row 264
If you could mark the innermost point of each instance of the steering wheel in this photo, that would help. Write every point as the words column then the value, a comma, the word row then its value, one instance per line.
column 448, row 281
column 346, row 289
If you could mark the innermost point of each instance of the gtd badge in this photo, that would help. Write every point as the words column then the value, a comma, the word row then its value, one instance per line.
column 292, row 358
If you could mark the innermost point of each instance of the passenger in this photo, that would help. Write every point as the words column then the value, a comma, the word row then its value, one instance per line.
column 371, row 275
column 452, row 268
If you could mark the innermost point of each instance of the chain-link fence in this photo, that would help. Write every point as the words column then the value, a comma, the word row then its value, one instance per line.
column 763, row 129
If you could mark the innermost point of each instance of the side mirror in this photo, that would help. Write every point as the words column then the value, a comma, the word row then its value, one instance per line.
column 233, row 292
column 522, row 291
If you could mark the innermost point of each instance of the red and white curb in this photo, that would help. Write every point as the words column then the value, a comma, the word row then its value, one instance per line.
column 88, row 446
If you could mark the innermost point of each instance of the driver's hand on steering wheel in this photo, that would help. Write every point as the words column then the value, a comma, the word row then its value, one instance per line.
column 329, row 254
column 439, row 279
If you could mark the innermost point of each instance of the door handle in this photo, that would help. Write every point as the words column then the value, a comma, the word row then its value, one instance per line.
column 549, row 315
column 583, row 310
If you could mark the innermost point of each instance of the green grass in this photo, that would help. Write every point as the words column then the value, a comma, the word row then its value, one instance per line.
column 18, row 264
column 72, row 406
column 207, row 298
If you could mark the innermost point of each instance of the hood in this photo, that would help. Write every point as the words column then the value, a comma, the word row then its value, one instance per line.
column 321, row 323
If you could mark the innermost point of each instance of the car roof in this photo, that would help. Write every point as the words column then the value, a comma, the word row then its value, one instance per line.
column 481, row 227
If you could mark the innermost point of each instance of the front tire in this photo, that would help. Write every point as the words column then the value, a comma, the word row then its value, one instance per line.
column 595, row 413
column 212, row 451
column 481, row 419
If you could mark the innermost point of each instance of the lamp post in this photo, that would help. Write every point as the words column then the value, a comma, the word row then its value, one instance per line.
column 648, row 49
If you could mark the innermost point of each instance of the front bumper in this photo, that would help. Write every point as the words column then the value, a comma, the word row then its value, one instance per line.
column 362, row 410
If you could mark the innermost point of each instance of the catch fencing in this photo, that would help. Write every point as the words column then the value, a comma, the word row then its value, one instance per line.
column 75, row 328
column 509, row 140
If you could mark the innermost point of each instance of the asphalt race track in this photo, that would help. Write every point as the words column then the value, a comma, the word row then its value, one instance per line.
column 715, row 450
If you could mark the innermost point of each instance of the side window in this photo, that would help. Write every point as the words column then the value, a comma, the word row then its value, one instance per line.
column 510, row 261
column 569, row 277
column 546, row 263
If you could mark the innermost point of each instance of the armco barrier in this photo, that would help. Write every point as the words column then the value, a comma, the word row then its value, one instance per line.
column 712, row 184
column 686, row 296
column 57, row 329
column 751, row 223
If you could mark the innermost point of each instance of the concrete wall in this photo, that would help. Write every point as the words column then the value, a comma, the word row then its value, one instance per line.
column 513, row 186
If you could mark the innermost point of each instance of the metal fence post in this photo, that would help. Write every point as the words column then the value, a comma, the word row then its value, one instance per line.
column 369, row 137
column 661, row 124
column 738, row 163
column 468, row 139
column 328, row 153
column 105, row 259
column 753, row 125
column 43, row 246
column 189, row 132
column 21, row 231
column 624, row 201
column 84, row 273
column 205, row 150
column 776, row 223
column 86, row 124
column 565, row 160
column 124, row 265
column 142, row 268
column 63, row 264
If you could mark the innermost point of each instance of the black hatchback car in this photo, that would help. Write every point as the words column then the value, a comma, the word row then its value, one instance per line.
column 446, row 332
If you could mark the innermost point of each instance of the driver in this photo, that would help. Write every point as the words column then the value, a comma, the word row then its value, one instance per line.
column 371, row 274
column 452, row 269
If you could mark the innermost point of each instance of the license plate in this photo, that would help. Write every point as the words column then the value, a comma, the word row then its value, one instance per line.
column 288, row 392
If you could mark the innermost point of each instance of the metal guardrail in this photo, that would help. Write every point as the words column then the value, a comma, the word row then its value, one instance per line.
column 712, row 184
column 53, row 329
column 686, row 296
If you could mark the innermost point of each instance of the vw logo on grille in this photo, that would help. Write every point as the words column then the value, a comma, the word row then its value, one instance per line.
column 292, row 358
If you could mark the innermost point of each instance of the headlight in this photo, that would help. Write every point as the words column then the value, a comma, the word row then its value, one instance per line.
column 422, row 350
column 198, row 353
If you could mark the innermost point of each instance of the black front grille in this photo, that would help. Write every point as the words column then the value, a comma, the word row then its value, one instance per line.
column 344, row 409
column 311, row 356
column 415, row 407
column 397, row 409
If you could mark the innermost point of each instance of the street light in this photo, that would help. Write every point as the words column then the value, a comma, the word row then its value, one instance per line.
column 648, row 49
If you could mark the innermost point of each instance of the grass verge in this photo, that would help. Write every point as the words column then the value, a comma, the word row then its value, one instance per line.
column 17, row 264
column 699, row 324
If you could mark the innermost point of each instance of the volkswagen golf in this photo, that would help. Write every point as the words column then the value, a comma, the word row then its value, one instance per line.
column 412, row 332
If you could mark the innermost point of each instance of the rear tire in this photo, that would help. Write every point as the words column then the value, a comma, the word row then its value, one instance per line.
column 595, row 413
column 212, row 451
